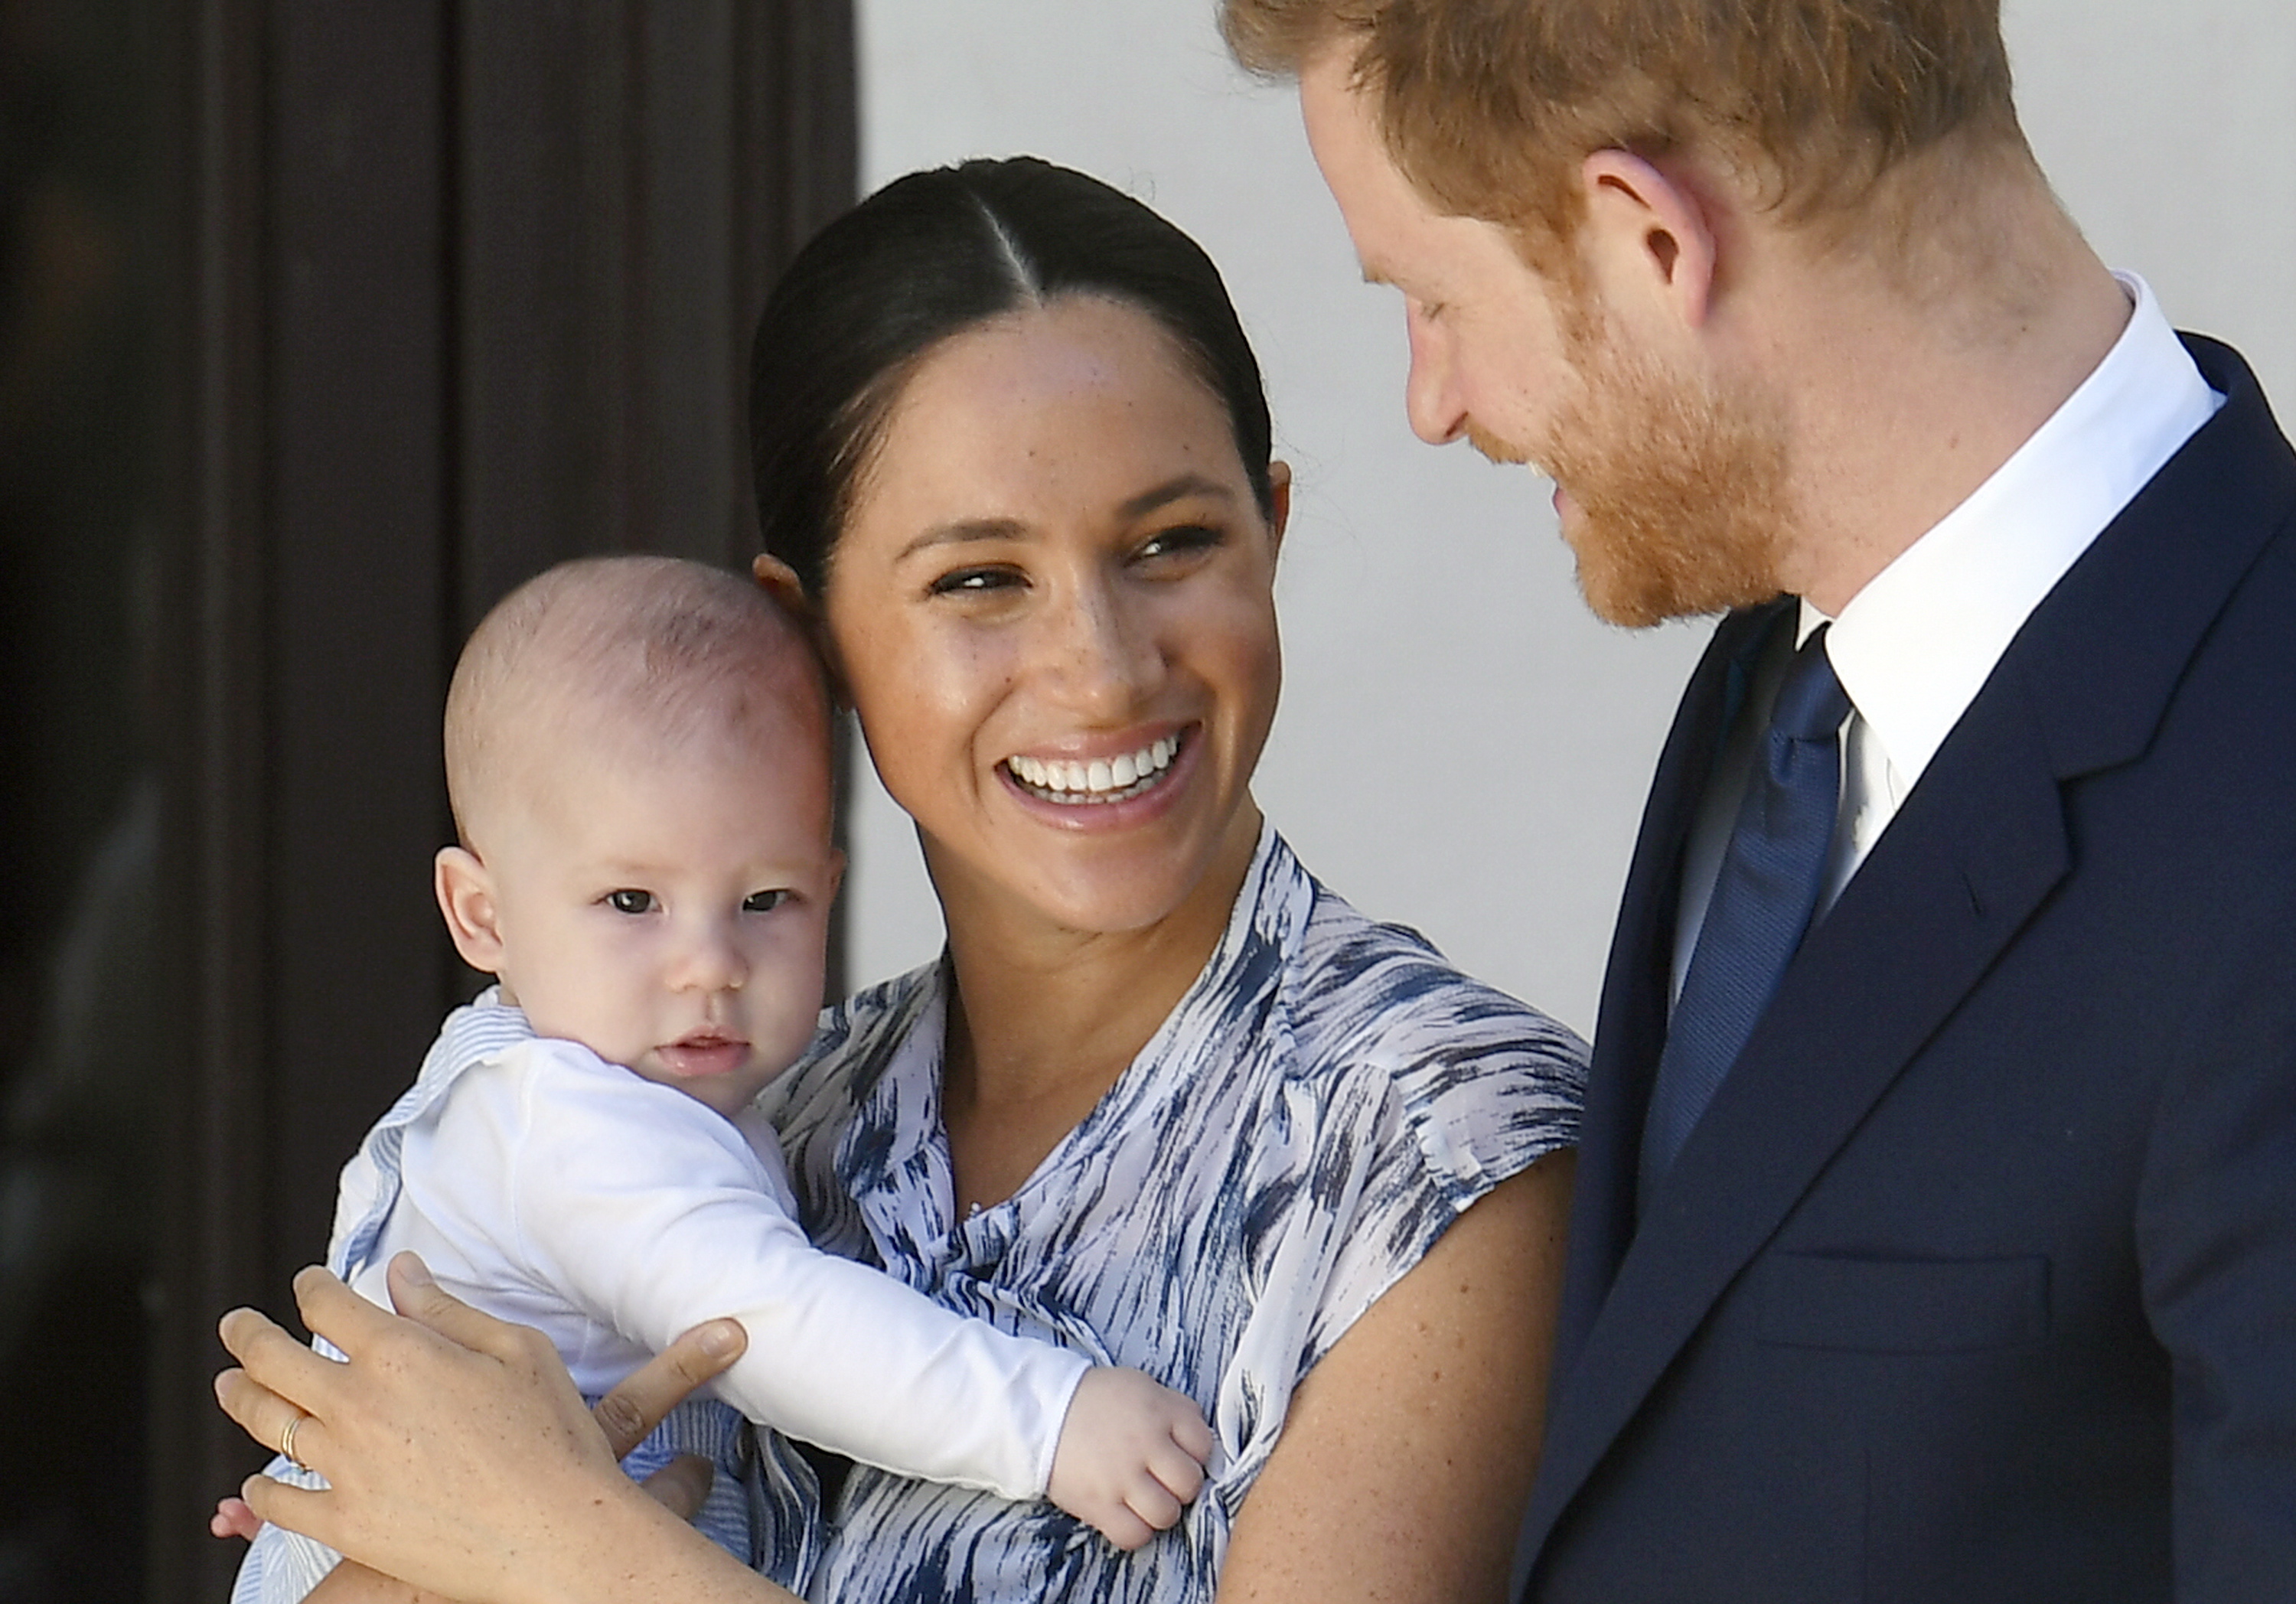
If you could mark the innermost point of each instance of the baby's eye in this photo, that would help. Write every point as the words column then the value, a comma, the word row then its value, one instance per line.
column 627, row 901
column 764, row 902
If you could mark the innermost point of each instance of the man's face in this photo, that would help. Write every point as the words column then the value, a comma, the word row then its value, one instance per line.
column 1671, row 489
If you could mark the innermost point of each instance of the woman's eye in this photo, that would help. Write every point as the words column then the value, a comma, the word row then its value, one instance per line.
column 974, row 581
column 631, row 902
column 1180, row 541
column 764, row 902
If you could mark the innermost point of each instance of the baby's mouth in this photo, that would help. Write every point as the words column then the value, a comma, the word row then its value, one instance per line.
column 702, row 1053
column 1076, row 784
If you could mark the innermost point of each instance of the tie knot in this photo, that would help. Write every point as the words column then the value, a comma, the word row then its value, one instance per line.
column 1811, row 703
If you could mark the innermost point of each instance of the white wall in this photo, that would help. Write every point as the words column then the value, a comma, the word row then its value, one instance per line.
column 1461, row 746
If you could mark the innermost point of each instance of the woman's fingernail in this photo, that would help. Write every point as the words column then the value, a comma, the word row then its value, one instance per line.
column 720, row 1338
column 413, row 1271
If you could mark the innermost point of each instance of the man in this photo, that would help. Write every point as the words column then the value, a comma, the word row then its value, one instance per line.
column 1936, row 1226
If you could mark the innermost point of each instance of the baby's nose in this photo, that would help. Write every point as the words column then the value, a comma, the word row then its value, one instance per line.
column 711, row 961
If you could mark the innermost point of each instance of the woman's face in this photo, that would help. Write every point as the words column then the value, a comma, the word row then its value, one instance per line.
column 1053, row 607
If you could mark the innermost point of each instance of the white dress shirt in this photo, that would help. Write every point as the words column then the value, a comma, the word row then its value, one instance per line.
column 1915, row 646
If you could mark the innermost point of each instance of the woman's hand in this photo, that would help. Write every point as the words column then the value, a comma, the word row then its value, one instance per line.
column 460, row 1458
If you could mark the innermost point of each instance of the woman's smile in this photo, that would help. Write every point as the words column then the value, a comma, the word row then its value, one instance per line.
column 1083, row 781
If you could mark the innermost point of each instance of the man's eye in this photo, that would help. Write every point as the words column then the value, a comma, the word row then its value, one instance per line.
column 631, row 902
column 764, row 902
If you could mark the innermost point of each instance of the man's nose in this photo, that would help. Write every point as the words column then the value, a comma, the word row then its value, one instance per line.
column 1431, row 395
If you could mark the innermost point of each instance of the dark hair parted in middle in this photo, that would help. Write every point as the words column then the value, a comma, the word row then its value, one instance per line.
column 930, row 256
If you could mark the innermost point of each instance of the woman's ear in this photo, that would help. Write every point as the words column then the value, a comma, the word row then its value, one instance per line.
column 778, row 580
column 1279, row 501
column 466, row 897
column 1649, row 234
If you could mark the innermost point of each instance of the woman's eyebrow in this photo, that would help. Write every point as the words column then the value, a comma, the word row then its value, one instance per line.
column 1174, row 489
column 958, row 530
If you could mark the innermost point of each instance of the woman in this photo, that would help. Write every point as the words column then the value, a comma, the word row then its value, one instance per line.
column 1165, row 1098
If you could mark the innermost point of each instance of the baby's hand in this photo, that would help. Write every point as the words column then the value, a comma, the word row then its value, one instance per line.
column 1131, row 1455
column 233, row 1518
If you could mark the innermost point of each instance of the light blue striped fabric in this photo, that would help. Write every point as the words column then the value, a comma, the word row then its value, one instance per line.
column 763, row 1502
column 1320, row 1105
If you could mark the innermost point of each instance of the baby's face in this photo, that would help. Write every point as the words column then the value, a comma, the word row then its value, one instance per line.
column 672, row 916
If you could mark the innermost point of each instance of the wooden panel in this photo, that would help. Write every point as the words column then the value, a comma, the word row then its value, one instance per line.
column 358, row 459
column 542, row 325
column 210, row 1235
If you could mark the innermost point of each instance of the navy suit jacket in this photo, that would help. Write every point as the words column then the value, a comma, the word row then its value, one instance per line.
column 1978, row 1278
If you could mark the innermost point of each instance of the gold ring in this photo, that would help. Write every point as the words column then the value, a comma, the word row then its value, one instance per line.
column 287, row 1442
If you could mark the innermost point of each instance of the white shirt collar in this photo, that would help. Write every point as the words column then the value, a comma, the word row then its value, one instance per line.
column 1913, row 647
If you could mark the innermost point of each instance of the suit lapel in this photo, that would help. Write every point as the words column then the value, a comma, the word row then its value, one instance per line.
column 1968, row 861
column 1635, row 980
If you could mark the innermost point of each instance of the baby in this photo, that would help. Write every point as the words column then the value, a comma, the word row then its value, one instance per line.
column 637, row 756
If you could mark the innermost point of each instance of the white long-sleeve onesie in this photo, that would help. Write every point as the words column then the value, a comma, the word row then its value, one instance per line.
column 548, row 1187
column 556, row 1190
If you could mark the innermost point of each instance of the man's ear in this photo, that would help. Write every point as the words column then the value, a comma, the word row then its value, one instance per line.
column 466, row 897
column 1649, row 232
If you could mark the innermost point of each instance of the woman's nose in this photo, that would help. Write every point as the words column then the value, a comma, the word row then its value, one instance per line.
column 1430, row 395
column 1103, row 649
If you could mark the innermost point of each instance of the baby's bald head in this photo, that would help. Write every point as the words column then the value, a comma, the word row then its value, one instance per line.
column 616, row 659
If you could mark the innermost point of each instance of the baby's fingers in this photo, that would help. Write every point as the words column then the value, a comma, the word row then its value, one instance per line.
column 1125, row 1528
column 1192, row 1435
column 233, row 1518
column 1154, row 1504
column 1180, row 1473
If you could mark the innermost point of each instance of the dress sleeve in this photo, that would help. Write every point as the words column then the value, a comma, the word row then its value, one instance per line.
column 1430, row 1091
column 652, row 1212
column 1450, row 1089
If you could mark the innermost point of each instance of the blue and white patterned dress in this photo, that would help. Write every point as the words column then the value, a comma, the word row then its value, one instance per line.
column 1325, row 1100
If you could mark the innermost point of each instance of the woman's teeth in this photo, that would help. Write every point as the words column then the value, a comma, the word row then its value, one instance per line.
column 1101, row 779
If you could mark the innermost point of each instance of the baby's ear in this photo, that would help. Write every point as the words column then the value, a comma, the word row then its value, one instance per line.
column 466, row 897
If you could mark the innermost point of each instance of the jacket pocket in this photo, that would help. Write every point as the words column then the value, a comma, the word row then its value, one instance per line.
column 1900, row 1305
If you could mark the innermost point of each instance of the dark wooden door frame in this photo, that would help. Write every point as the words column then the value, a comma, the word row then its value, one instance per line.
column 464, row 288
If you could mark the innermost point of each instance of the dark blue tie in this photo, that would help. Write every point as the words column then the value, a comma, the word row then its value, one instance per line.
column 1763, row 899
